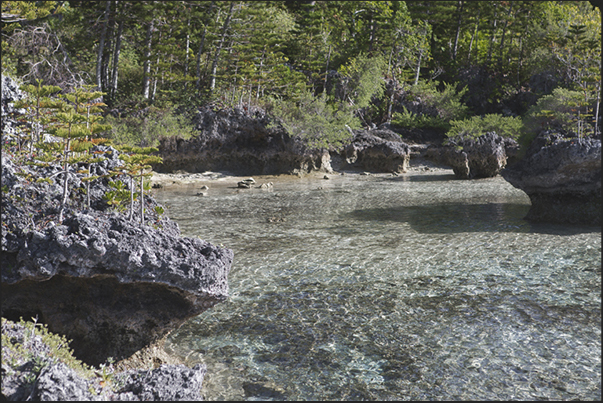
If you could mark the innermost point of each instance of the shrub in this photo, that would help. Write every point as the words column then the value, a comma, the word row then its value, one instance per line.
column 412, row 120
column 145, row 131
column 558, row 111
column 316, row 122
column 505, row 126
column 437, row 107
column 15, row 353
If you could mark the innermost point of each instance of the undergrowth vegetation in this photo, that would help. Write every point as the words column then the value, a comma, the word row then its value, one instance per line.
column 505, row 126
column 146, row 129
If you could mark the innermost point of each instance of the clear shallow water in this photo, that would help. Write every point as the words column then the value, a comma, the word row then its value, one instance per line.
column 379, row 287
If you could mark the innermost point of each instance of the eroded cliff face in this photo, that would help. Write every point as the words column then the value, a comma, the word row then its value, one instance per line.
column 474, row 158
column 562, row 177
column 234, row 141
column 112, row 285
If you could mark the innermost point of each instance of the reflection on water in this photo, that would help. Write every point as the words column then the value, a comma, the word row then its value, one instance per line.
column 381, row 287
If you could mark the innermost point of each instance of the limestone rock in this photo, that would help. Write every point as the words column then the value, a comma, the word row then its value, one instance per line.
column 111, row 285
column 53, row 380
column 562, row 177
column 378, row 150
column 239, row 142
column 246, row 183
column 472, row 158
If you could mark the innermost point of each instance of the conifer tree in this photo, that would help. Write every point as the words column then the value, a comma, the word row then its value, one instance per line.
column 137, row 161
column 37, row 101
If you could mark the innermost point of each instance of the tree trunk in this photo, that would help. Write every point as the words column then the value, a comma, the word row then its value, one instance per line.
column 472, row 38
column 502, row 40
column 214, row 66
column 418, row 68
column 146, row 81
column 131, row 198
column 65, row 176
column 101, row 49
column 324, row 91
column 492, row 40
column 141, row 197
column 373, row 34
column 257, row 95
column 187, row 51
column 198, row 75
column 458, row 29
column 116, row 61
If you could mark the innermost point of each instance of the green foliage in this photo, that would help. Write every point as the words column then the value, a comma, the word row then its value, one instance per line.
column 446, row 103
column 317, row 123
column 16, row 352
column 504, row 126
column 558, row 111
column 279, row 49
column 117, row 197
column 362, row 80
column 439, row 106
column 411, row 120
column 146, row 131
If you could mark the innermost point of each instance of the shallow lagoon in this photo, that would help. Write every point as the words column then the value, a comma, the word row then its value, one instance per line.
column 409, row 287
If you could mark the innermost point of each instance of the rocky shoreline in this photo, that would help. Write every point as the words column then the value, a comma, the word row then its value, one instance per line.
column 117, row 288
column 562, row 177
column 113, row 286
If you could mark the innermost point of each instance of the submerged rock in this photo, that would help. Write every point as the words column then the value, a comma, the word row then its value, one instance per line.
column 562, row 177
column 235, row 141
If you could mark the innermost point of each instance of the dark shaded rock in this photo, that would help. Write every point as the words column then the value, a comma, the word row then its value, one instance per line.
column 562, row 177
column 417, row 134
column 378, row 150
column 472, row 158
column 111, row 285
column 235, row 141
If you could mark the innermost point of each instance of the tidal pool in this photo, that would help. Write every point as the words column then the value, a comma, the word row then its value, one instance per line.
column 380, row 287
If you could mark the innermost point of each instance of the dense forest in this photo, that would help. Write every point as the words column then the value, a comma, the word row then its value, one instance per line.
column 321, row 67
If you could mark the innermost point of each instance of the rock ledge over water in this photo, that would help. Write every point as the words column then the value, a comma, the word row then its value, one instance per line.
column 111, row 285
column 562, row 177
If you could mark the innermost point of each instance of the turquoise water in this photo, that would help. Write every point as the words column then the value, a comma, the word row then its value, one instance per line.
column 418, row 286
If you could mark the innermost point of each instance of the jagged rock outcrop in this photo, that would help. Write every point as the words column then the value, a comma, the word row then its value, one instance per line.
column 472, row 158
column 379, row 150
column 562, row 177
column 30, row 371
column 234, row 141
column 10, row 94
column 111, row 285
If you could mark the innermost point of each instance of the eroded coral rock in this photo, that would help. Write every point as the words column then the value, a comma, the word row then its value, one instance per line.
column 377, row 150
column 562, row 177
column 236, row 141
column 472, row 158
column 39, row 376
column 111, row 285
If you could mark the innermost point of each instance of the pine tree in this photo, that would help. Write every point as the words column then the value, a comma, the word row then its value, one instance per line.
column 37, row 101
column 137, row 161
